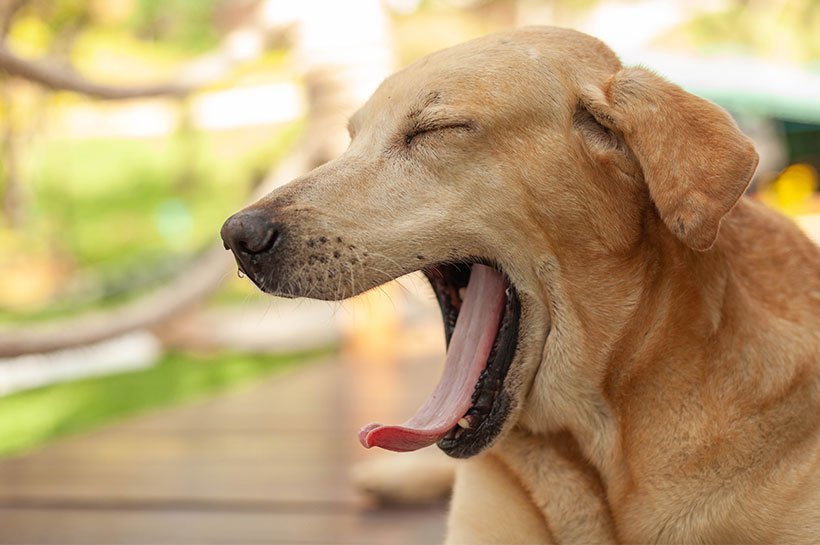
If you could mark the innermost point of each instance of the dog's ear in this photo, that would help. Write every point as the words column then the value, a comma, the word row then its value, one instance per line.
column 694, row 158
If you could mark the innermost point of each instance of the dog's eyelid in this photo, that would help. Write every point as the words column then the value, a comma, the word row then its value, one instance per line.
column 428, row 126
column 448, row 123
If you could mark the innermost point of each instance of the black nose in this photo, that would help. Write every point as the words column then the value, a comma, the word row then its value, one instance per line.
column 249, row 232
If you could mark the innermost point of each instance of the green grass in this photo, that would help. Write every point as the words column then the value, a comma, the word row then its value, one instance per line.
column 31, row 418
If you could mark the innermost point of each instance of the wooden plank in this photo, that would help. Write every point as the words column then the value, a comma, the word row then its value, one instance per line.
column 303, row 483
column 70, row 526
column 268, row 463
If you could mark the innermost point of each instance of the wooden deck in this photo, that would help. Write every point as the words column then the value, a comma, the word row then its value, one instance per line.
column 267, row 464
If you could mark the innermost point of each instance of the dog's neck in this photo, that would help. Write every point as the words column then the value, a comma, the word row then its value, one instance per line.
column 606, row 317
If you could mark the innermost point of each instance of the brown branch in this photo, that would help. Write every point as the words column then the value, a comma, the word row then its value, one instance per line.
column 181, row 292
column 62, row 79
column 202, row 72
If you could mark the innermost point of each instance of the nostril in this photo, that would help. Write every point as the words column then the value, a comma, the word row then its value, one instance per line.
column 266, row 243
column 259, row 245
column 249, row 233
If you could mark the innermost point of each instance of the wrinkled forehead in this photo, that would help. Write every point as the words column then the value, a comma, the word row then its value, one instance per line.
column 530, row 71
column 498, row 77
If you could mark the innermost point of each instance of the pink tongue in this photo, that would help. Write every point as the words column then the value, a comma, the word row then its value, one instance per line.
column 470, row 346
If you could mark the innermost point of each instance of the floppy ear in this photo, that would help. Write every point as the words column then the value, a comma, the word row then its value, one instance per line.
column 694, row 158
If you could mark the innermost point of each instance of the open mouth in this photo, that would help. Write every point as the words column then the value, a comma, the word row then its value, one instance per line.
column 467, row 410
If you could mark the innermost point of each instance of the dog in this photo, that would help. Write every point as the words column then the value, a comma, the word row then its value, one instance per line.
column 633, row 345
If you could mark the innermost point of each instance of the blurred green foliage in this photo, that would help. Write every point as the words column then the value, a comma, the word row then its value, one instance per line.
column 109, row 200
column 124, row 214
column 59, row 15
column 188, row 24
column 104, row 219
column 30, row 418
column 787, row 30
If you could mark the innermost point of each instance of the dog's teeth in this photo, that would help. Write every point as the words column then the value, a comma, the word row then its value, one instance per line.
column 461, row 293
column 464, row 423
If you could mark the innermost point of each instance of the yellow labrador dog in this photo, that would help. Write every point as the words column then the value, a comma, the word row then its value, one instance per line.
column 634, row 347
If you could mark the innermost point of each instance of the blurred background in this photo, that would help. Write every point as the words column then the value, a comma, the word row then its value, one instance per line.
column 144, row 387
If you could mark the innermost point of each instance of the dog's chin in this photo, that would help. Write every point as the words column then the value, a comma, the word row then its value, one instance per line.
column 499, row 388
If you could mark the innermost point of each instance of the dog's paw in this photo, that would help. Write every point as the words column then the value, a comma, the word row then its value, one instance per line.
column 408, row 478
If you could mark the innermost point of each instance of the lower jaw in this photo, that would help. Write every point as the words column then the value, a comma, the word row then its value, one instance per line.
column 472, row 442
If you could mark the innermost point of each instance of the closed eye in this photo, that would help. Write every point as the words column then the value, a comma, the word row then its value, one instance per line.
column 421, row 130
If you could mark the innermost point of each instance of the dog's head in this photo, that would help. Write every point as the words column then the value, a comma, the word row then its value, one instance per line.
column 481, row 165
